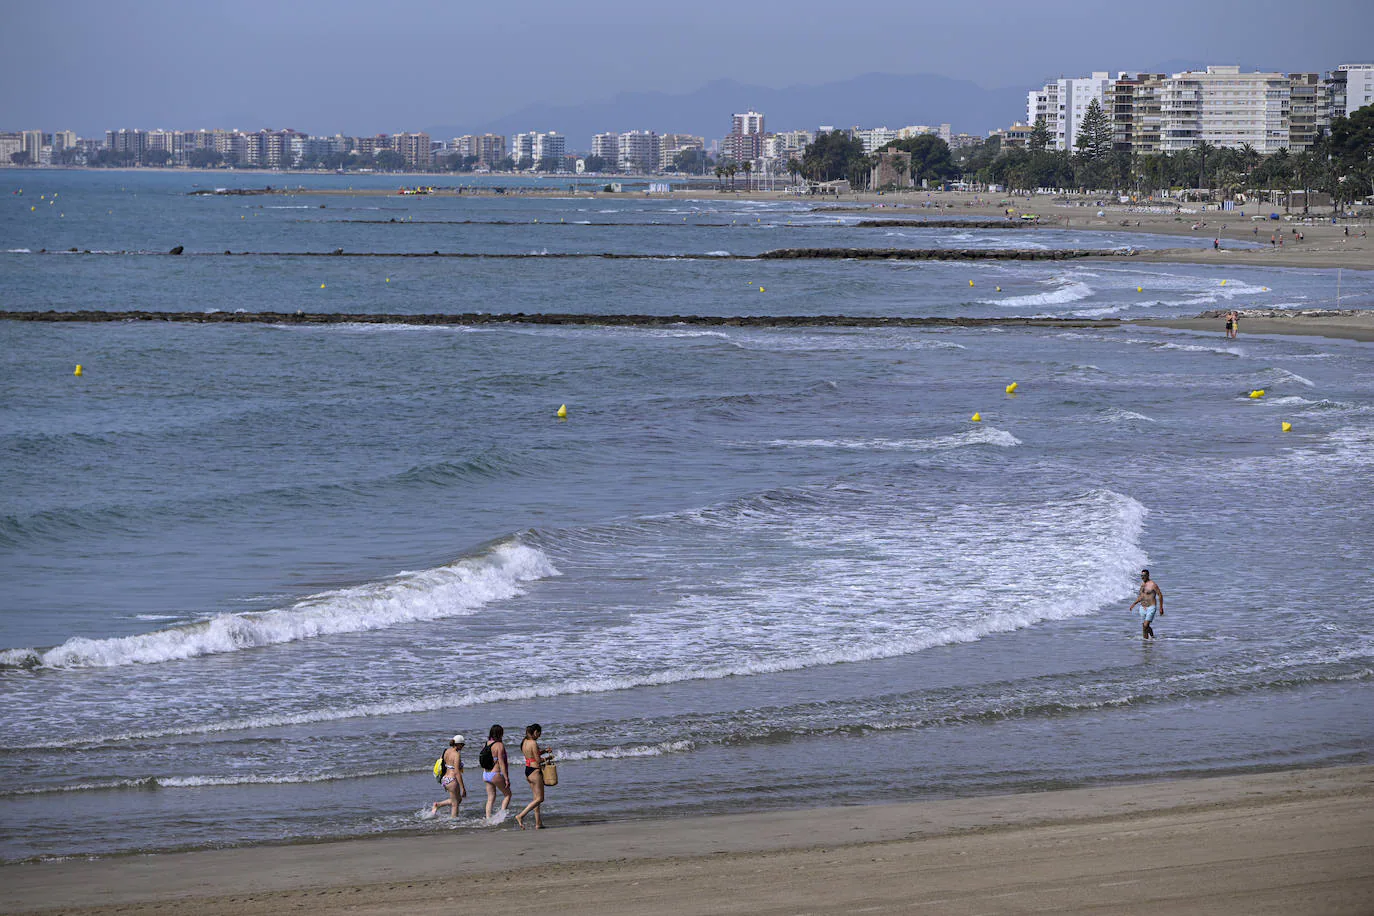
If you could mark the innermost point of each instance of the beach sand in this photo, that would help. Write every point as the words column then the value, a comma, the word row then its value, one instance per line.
column 1300, row 841
column 1346, row 324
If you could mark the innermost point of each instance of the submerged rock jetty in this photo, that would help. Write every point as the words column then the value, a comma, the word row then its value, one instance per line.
column 479, row 318
column 946, row 224
column 778, row 254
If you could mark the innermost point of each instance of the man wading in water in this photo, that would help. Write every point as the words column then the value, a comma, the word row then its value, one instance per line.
column 1150, row 594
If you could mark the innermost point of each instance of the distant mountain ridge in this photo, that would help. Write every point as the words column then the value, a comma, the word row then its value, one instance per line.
column 870, row 100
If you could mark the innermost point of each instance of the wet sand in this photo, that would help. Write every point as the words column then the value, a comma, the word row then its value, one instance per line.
column 1346, row 324
column 1296, row 841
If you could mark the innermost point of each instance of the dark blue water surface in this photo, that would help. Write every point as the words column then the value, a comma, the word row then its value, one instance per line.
column 255, row 576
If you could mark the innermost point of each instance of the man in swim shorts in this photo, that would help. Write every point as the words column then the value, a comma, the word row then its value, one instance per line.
column 1151, row 601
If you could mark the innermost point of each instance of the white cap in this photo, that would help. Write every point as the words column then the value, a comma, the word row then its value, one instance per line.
column 458, row 739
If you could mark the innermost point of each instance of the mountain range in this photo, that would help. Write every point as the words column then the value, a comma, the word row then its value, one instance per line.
column 871, row 100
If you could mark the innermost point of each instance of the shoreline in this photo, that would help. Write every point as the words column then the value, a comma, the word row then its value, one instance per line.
column 1287, row 841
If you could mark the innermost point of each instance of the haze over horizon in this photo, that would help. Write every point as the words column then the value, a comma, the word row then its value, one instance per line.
column 327, row 67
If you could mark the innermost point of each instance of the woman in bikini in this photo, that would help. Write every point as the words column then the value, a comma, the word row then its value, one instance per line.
column 498, row 776
column 535, row 756
column 453, row 778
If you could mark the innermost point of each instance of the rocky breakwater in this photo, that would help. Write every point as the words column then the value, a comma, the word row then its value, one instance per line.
column 471, row 318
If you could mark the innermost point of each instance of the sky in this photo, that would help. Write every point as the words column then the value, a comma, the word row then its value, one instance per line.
column 370, row 66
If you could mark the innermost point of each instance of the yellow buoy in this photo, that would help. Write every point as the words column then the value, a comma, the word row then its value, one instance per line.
column 999, row 289
column 321, row 286
column 1011, row 388
column 1223, row 282
column 388, row 279
column 970, row 283
column 1257, row 393
column 563, row 412
column 31, row 209
column 976, row 418
column 1287, row 427
column 760, row 289
column 1140, row 289
column 78, row 370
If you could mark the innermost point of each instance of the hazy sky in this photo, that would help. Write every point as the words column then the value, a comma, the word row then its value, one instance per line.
column 364, row 66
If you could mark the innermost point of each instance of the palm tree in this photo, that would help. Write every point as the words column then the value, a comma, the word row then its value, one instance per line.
column 748, row 167
column 720, row 174
column 793, row 168
column 730, row 170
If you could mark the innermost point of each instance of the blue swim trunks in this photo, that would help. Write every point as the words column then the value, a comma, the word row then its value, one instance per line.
column 1147, row 614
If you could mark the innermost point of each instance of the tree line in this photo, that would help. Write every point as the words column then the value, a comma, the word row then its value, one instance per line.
column 1340, row 162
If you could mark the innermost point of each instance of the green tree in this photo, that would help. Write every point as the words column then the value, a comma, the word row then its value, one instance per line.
column 548, row 164
column 388, row 160
column 690, row 161
column 831, row 155
column 156, row 157
column 748, row 168
column 204, row 159
column 1039, row 136
column 20, row 158
column 930, row 157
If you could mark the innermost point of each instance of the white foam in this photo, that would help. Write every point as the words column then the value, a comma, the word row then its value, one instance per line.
column 1280, row 376
column 718, row 254
column 458, row 589
column 978, row 435
column 1065, row 291
column 1118, row 415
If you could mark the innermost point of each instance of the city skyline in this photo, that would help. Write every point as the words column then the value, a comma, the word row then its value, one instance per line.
column 338, row 67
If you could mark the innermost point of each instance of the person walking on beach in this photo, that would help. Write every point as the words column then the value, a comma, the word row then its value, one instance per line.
column 1229, row 326
column 495, row 769
column 1150, row 595
column 453, row 778
column 535, row 757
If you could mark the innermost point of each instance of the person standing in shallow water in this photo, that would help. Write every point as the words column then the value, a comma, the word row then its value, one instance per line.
column 497, row 775
column 535, row 758
column 453, row 778
column 1151, row 601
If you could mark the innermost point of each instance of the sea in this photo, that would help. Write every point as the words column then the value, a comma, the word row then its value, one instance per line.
column 254, row 577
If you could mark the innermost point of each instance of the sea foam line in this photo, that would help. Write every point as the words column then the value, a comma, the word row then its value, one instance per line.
column 457, row 589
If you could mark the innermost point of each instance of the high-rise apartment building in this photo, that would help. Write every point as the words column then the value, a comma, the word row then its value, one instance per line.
column 606, row 146
column 671, row 144
column 638, row 151
column 10, row 144
column 551, row 145
column 875, row 138
column 1225, row 107
column 745, row 142
column 1349, row 87
column 415, row 149
column 1062, row 104
column 1307, row 110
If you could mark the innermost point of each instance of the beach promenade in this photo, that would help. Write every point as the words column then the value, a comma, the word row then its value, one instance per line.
column 1300, row 841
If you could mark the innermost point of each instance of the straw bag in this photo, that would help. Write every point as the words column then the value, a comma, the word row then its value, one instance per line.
column 550, row 771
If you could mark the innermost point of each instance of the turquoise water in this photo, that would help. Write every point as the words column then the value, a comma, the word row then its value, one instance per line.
column 255, row 576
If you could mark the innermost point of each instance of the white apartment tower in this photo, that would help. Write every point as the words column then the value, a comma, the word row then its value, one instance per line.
column 606, row 146
column 1356, row 88
column 1063, row 103
column 1225, row 107
column 639, row 151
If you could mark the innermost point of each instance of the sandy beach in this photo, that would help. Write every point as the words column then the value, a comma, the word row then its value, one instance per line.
column 1296, row 841
column 1346, row 324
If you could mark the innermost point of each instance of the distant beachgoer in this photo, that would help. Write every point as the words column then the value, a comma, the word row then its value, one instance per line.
column 497, row 776
column 1216, row 244
column 1150, row 595
column 453, row 778
column 1228, row 325
column 535, row 756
